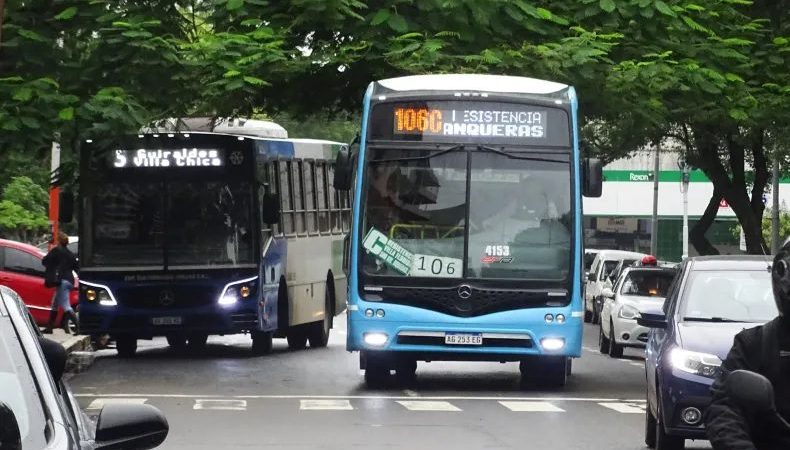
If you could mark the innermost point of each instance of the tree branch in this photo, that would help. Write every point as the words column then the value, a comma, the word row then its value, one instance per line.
column 760, row 172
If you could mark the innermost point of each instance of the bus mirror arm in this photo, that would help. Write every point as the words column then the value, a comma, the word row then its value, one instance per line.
column 270, row 205
column 592, row 177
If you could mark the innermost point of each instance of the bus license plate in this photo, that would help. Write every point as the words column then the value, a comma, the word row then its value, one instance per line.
column 463, row 339
column 173, row 320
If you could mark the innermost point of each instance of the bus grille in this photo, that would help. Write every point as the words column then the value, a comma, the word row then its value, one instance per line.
column 481, row 301
column 164, row 297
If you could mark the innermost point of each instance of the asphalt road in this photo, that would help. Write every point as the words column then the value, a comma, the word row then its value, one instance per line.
column 316, row 399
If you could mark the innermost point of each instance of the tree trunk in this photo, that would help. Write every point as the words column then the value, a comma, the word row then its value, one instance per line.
column 697, row 233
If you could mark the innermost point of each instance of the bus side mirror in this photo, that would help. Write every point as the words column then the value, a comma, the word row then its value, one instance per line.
column 343, row 170
column 346, row 253
column 270, row 206
column 10, row 435
column 66, row 207
column 592, row 177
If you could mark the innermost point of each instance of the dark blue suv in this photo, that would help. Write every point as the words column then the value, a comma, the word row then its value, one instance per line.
column 710, row 300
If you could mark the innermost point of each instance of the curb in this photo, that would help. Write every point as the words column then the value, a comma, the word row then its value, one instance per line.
column 80, row 354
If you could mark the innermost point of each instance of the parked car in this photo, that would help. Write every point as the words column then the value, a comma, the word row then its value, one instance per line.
column 639, row 288
column 589, row 257
column 37, row 409
column 711, row 299
column 22, row 271
column 598, row 278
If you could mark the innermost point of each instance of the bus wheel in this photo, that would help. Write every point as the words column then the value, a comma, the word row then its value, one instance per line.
column 406, row 372
column 377, row 372
column 126, row 346
column 197, row 341
column 318, row 333
column 261, row 342
column 177, row 341
column 545, row 371
column 297, row 338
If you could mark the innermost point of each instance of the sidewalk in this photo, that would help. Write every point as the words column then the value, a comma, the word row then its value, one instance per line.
column 78, row 348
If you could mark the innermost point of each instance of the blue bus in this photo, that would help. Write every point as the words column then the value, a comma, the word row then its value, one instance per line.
column 466, row 241
column 195, row 233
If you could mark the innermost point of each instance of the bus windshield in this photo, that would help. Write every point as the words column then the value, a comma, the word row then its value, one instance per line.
column 178, row 223
column 422, row 204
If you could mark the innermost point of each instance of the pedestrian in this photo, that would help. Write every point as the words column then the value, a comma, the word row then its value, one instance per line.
column 60, row 264
column 765, row 350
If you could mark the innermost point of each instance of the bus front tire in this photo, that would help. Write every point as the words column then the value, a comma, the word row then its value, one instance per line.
column 126, row 346
column 318, row 334
column 545, row 371
column 261, row 342
column 177, row 342
column 406, row 372
column 377, row 373
column 297, row 338
column 197, row 342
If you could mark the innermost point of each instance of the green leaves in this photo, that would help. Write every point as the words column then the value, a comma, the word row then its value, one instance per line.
column 23, row 94
column 66, row 114
column 664, row 9
column 398, row 23
column 67, row 13
column 233, row 5
column 380, row 17
column 607, row 5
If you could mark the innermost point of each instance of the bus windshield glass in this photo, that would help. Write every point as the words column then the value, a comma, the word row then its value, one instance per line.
column 466, row 212
column 178, row 223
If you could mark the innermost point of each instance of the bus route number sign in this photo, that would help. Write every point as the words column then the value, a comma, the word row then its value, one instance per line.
column 497, row 123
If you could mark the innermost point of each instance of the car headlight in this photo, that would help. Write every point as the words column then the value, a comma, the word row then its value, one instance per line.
column 100, row 292
column 628, row 312
column 238, row 290
column 702, row 364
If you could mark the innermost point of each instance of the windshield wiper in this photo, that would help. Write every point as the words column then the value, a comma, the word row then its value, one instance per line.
column 714, row 320
column 419, row 158
column 515, row 156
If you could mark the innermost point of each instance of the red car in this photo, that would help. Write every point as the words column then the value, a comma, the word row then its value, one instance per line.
column 22, row 271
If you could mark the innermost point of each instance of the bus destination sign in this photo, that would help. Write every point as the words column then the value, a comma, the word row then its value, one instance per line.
column 166, row 158
column 504, row 123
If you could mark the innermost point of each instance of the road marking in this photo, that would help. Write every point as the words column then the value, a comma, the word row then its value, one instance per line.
column 220, row 405
column 531, row 407
column 625, row 408
column 324, row 405
column 410, row 393
column 361, row 397
column 99, row 403
column 422, row 405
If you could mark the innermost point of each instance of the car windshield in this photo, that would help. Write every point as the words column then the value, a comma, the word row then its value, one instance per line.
column 18, row 389
column 646, row 283
column 185, row 223
column 517, row 217
column 608, row 268
column 739, row 296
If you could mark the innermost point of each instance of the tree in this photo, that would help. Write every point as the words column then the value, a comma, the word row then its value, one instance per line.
column 23, row 209
column 784, row 226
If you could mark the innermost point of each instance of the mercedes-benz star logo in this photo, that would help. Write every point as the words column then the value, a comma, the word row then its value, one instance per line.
column 167, row 297
column 464, row 291
column 236, row 158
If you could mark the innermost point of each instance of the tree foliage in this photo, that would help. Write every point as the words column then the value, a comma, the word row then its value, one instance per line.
column 23, row 209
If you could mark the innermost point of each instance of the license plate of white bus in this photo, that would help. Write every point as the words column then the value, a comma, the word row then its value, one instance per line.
column 171, row 320
column 463, row 339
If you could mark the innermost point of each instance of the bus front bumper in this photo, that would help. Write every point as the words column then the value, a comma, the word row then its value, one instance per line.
column 429, row 335
column 146, row 323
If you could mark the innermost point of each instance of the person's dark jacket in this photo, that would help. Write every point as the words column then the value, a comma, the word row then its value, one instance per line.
column 64, row 260
column 730, row 428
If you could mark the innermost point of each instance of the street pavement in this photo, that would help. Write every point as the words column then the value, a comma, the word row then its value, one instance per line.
column 316, row 399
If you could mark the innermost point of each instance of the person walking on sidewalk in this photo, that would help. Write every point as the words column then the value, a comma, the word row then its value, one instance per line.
column 60, row 264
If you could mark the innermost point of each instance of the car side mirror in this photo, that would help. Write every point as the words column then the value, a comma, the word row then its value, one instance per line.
column 592, row 176
column 10, row 436
column 750, row 391
column 607, row 292
column 139, row 427
column 650, row 320
column 65, row 207
column 270, row 207
column 55, row 356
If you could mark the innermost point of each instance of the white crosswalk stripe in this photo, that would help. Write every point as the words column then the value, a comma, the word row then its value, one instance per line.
column 428, row 405
column 99, row 403
column 325, row 405
column 625, row 408
column 220, row 405
column 531, row 407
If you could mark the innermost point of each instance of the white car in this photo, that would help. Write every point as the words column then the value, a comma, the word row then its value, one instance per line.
column 598, row 278
column 638, row 289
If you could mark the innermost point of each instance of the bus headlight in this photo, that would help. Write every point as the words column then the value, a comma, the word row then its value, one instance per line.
column 552, row 344
column 100, row 292
column 375, row 339
column 701, row 364
column 237, row 290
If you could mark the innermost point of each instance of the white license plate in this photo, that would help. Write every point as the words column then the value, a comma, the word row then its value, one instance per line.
column 463, row 339
column 166, row 320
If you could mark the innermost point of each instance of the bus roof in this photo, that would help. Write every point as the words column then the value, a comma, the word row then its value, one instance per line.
column 236, row 127
column 473, row 82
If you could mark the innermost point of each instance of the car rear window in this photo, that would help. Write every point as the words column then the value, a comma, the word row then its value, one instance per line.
column 647, row 283
column 742, row 296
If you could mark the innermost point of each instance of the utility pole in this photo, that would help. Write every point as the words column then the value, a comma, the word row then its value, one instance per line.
column 54, row 192
column 684, row 189
column 775, row 208
column 654, row 221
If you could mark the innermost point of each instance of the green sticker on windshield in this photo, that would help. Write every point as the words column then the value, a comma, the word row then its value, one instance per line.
column 388, row 251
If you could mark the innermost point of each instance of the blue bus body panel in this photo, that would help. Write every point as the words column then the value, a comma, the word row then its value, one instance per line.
column 528, row 321
column 272, row 269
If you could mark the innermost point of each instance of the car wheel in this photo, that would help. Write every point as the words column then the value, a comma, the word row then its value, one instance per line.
column 297, row 339
column 126, row 346
column 261, row 342
column 603, row 341
column 665, row 441
column 650, row 428
column 615, row 349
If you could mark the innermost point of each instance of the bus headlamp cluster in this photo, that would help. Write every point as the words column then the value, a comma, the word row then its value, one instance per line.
column 379, row 313
column 238, row 290
column 559, row 318
column 100, row 292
